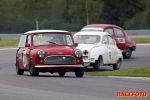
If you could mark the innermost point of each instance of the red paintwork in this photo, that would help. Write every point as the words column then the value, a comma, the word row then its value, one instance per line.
column 128, row 42
column 32, row 53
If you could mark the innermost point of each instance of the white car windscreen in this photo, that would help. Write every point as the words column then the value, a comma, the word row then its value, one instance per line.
column 87, row 39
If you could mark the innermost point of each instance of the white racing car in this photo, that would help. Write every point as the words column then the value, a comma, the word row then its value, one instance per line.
column 99, row 48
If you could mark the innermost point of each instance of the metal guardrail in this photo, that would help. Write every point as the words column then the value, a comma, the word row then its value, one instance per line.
column 138, row 32
column 131, row 33
column 6, row 35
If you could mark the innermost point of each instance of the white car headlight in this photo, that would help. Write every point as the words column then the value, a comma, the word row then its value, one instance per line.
column 41, row 53
column 78, row 53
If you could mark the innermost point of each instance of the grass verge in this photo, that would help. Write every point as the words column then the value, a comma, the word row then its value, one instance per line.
column 141, row 40
column 9, row 42
column 131, row 72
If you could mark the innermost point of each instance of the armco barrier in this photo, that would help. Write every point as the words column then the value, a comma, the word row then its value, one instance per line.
column 129, row 32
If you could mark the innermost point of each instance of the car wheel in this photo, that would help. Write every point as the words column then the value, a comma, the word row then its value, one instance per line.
column 117, row 65
column 33, row 71
column 18, row 70
column 97, row 65
column 127, row 54
column 79, row 72
column 61, row 73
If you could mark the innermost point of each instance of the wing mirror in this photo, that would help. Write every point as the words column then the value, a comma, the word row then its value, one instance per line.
column 27, row 45
column 76, row 44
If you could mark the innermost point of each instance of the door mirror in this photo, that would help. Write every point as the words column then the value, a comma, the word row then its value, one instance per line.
column 76, row 44
column 27, row 45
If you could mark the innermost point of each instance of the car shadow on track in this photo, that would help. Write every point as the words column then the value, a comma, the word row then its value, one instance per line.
column 71, row 74
column 55, row 75
column 90, row 69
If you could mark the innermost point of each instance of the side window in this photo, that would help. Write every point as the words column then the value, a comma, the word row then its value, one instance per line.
column 22, row 41
column 105, row 39
column 110, row 31
column 28, row 40
column 118, row 32
column 111, row 40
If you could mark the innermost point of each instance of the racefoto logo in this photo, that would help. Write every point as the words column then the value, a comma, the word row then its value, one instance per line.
column 132, row 94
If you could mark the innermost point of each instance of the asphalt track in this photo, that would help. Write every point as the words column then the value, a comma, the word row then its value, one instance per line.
column 52, row 87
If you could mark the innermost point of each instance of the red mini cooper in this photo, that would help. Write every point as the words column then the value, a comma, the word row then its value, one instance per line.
column 122, row 40
column 48, row 51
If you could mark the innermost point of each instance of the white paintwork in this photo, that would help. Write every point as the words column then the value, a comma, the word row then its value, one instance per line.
column 109, row 53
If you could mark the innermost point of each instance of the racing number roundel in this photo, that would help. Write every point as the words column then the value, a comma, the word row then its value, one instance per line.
column 24, row 58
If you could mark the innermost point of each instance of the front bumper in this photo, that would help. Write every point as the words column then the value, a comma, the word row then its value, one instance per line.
column 87, row 62
column 46, row 66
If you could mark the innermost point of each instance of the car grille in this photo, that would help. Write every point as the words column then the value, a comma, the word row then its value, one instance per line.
column 60, row 60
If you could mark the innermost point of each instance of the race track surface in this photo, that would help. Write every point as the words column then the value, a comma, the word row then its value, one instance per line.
column 52, row 87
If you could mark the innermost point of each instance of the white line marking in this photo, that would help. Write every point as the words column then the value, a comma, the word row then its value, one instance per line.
column 142, row 44
column 143, row 78
column 8, row 48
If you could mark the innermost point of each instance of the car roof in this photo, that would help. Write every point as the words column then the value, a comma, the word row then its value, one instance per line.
column 92, row 33
column 100, row 26
column 43, row 31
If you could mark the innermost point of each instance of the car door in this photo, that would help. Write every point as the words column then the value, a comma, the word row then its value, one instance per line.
column 106, row 50
column 24, row 52
column 21, row 50
column 112, row 50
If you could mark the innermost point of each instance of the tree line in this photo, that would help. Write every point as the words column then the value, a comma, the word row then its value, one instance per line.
column 18, row 16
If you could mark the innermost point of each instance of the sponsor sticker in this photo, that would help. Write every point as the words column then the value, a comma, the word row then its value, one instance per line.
column 131, row 94
column 39, row 35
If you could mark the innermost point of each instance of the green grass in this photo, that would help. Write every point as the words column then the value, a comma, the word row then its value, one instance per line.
column 131, row 72
column 9, row 42
column 141, row 40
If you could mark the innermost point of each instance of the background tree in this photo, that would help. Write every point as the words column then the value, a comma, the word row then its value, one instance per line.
column 78, row 10
column 119, row 11
column 18, row 16
column 5, row 13
column 141, row 20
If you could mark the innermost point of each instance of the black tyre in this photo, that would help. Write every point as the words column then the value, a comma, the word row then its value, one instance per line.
column 79, row 72
column 33, row 71
column 128, row 53
column 18, row 70
column 61, row 73
column 117, row 65
column 97, row 65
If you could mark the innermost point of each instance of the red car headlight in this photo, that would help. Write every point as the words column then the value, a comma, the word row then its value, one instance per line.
column 41, row 53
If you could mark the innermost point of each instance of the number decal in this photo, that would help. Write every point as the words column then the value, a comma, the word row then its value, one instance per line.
column 110, row 55
column 39, row 35
column 24, row 58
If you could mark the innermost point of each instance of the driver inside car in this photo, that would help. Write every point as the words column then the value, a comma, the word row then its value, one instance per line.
column 56, row 40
